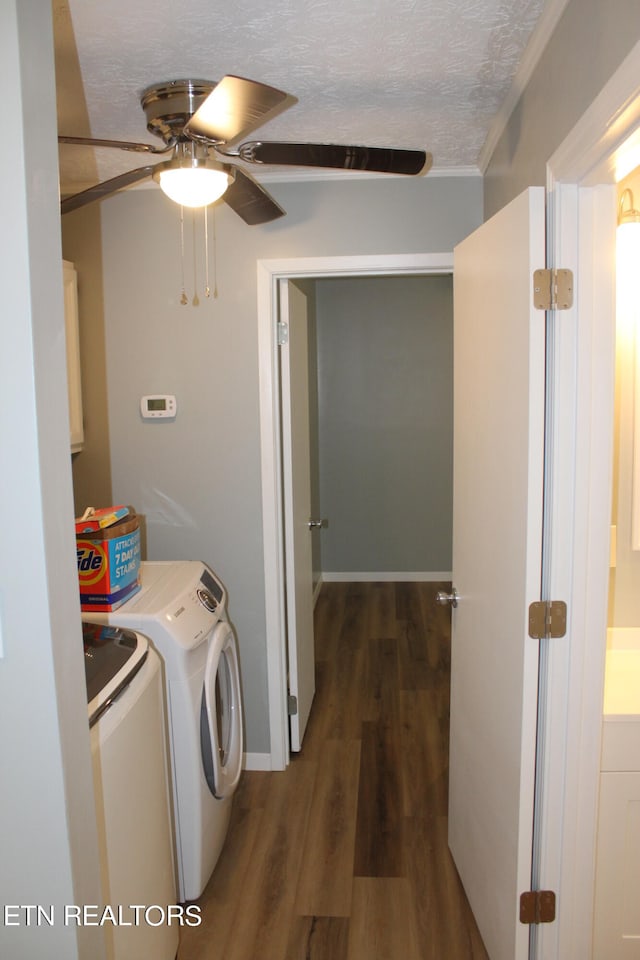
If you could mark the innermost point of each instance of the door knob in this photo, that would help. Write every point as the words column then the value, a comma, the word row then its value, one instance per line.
column 316, row 524
column 444, row 598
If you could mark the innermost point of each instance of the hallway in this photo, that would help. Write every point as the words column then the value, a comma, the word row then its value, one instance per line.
column 344, row 855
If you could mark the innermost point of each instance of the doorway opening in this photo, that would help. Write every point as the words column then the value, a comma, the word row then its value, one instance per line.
column 617, row 882
column 366, row 374
column 270, row 272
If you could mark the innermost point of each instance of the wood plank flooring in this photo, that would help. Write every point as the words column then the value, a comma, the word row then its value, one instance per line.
column 344, row 855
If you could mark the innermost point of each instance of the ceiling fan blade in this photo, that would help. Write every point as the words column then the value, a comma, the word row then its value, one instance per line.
column 234, row 107
column 374, row 159
column 251, row 201
column 116, row 144
column 105, row 188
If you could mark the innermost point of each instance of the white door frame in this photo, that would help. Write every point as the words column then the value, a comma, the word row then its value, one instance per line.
column 581, row 229
column 269, row 273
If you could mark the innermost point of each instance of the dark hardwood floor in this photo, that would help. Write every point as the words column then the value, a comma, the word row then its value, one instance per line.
column 344, row 855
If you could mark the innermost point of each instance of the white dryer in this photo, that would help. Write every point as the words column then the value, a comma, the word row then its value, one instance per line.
column 131, row 785
column 181, row 608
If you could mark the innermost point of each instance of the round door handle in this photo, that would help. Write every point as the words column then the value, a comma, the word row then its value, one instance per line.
column 316, row 524
column 444, row 598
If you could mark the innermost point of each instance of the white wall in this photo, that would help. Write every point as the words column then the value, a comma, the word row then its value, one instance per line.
column 197, row 481
column 48, row 846
column 624, row 598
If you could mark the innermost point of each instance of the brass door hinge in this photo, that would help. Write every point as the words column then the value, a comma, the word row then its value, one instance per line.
column 552, row 289
column 537, row 906
column 547, row 618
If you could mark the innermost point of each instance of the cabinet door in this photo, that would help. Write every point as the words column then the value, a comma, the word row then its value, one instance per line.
column 76, row 426
column 617, row 903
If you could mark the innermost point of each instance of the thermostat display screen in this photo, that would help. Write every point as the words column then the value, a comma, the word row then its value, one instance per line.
column 156, row 406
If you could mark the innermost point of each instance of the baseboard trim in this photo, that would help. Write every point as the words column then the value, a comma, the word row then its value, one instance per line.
column 376, row 576
column 257, row 761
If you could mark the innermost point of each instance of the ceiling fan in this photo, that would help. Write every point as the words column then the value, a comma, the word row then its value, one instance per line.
column 197, row 120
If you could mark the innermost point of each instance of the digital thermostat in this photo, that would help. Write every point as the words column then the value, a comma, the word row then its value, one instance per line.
column 159, row 405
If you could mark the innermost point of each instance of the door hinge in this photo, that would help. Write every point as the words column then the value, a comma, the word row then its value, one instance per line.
column 553, row 289
column 283, row 333
column 537, row 906
column 547, row 618
column 292, row 705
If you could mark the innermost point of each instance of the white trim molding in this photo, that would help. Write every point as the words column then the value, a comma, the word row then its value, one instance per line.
column 323, row 174
column 257, row 761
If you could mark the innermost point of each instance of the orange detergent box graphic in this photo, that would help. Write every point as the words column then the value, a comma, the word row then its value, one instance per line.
column 109, row 565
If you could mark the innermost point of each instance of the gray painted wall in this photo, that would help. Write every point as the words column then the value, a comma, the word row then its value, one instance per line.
column 91, row 468
column 197, row 480
column 385, row 355
column 589, row 43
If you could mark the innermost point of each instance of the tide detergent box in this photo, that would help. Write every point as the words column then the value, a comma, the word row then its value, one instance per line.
column 109, row 564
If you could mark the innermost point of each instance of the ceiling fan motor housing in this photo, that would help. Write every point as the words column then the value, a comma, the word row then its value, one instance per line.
column 168, row 106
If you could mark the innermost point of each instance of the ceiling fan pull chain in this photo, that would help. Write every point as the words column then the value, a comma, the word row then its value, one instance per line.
column 215, row 257
column 183, row 297
column 196, row 300
column 207, row 290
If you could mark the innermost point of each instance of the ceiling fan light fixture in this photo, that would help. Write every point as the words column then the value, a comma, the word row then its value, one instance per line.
column 192, row 182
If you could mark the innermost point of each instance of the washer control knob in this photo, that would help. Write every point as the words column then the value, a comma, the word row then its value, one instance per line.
column 207, row 599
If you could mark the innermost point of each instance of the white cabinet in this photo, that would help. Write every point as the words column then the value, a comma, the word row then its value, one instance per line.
column 617, row 903
column 73, row 356
column 616, row 927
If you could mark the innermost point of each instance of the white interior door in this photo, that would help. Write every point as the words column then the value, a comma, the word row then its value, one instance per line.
column 497, row 545
column 294, row 371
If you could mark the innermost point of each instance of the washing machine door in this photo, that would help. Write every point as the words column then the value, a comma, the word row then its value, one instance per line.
column 221, row 713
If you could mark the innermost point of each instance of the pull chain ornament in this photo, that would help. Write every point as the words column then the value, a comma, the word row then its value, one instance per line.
column 195, row 301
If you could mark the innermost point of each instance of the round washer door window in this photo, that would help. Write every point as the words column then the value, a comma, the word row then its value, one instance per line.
column 221, row 714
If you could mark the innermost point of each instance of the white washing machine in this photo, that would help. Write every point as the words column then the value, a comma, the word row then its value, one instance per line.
column 132, row 794
column 181, row 608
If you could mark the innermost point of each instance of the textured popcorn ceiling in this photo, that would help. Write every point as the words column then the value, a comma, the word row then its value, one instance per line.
column 405, row 73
